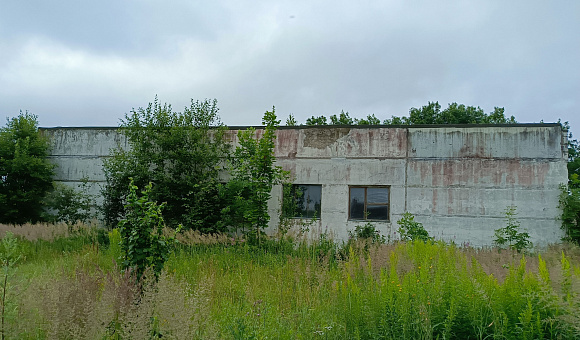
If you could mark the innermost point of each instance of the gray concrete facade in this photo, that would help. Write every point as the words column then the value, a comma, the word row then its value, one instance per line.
column 456, row 180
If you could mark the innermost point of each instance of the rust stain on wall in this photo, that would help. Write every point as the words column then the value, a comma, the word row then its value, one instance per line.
column 474, row 145
column 450, row 201
column 231, row 136
column 286, row 144
column 434, row 202
column 347, row 173
column 480, row 172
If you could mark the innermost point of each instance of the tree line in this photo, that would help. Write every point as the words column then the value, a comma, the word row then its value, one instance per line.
column 428, row 114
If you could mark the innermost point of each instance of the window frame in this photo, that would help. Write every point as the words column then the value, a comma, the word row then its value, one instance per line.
column 366, row 187
column 317, row 213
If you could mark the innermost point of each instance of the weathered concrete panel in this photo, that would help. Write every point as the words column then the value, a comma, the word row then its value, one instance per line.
column 346, row 171
column 479, row 231
column 482, row 202
column 518, row 141
column 75, row 168
column 486, row 173
column 457, row 180
column 84, row 141
column 341, row 142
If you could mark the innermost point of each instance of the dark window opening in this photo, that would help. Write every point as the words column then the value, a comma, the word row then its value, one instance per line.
column 304, row 201
column 369, row 203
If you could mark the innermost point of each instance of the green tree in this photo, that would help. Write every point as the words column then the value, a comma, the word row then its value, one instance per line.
column 569, row 200
column 569, row 203
column 320, row 120
column 427, row 114
column 411, row 230
column 142, row 240
column 342, row 119
column 573, row 160
column 25, row 172
column 395, row 121
column 253, row 175
column 510, row 235
column 370, row 120
column 498, row 117
column 182, row 153
column 453, row 114
column 291, row 121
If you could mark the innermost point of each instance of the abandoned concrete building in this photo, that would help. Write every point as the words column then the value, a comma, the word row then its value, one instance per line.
column 456, row 180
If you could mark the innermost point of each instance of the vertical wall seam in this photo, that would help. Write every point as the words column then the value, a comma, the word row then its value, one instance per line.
column 564, row 143
column 406, row 164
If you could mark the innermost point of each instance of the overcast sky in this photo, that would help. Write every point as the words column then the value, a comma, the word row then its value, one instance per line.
column 81, row 63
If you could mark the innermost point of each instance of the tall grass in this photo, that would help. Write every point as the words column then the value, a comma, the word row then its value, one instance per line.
column 216, row 287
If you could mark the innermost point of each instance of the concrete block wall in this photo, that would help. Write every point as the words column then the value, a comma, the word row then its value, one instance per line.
column 79, row 154
column 456, row 180
column 460, row 181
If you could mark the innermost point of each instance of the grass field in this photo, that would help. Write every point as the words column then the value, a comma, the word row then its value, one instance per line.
column 66, row 285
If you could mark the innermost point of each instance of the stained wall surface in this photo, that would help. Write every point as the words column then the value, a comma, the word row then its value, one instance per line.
column 456, row 180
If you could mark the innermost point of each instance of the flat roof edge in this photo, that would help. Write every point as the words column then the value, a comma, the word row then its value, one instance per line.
column 418, row 126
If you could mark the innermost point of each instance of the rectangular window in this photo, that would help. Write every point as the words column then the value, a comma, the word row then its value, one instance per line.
column 369, row 203
column 304, row 201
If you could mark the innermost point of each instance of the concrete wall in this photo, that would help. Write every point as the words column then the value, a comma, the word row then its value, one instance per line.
column 456, row 180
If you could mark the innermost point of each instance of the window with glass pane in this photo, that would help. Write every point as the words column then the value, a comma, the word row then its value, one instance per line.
column 307, row 198
column 369, row 203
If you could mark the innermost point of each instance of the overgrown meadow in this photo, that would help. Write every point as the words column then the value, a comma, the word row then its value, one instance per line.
column 64, row 283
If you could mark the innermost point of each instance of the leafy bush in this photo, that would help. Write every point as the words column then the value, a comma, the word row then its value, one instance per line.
column 70, row 205
column 510, row 235
column 142, row 240
column 25, row 172
column 367, row 231
column 360, row 240
column 182, row 153
column 570, row 205
column 412, row 230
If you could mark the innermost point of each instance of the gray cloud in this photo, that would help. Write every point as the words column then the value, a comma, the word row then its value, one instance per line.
column 87, row 64
column 112, row 27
